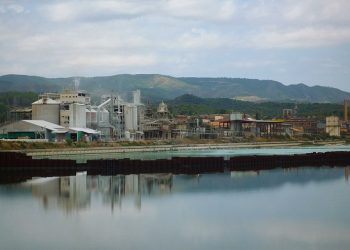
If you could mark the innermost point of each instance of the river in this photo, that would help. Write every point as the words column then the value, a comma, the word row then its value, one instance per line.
column 304, row 208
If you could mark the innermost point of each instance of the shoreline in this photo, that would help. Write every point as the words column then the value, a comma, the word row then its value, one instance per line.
column 17, row 167
column 163, row 148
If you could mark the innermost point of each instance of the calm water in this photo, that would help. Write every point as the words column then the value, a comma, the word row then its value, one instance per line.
column 307, row 208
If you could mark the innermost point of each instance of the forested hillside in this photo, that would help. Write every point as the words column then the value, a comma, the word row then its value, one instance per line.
column 158, row 87
column 193, row 105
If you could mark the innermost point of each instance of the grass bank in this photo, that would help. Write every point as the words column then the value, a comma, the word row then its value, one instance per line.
column 21, row 145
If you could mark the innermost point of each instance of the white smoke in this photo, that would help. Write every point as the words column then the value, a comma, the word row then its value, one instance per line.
column 76, row 83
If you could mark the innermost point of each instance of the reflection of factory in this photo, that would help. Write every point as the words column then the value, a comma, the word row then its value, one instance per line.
column 74, row 193
column 115, row 188
column 68, row 193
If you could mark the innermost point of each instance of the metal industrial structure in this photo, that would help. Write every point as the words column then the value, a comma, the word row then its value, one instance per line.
column 113, row 119
column 346, row 112
column 117, row 119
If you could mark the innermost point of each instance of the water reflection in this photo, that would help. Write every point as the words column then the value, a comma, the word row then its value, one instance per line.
column 304, row 208
column 71, row 193
column 74, row 193
column 346, row 174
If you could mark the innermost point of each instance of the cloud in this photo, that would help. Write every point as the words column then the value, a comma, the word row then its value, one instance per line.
column 96, row 10
column 309, row 37
column 192, row 37
column 122, row 9
column 112, row 60
column 199, row 39
column 317, row 11
column 205, row 9
column 11, row 8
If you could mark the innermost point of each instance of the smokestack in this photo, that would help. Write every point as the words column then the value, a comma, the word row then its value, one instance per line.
column 346, row 110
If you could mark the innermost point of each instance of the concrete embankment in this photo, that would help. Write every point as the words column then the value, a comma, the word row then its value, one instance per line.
column 162, row 148
column 15, row 166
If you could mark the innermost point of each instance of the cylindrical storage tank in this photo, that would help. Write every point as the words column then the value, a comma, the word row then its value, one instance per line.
column 78, row 115
column 88, row 118
column 46, row 109
column 104, row 116
column 93, row 117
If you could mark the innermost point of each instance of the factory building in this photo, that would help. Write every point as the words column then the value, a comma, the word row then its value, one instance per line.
column 333, row 126
column 162, row 111
column 75, row 96
column 91, row 117
column 134, row 117
column 73, row 115
column 46, row 109
column 73, row 108
column 32, row 129
column 113, row 119
column 69, row 110
column 125, row 119
column 159, row 125
column 20, row 114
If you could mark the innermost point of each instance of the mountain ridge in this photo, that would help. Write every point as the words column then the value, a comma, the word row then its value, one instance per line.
column 157, row 87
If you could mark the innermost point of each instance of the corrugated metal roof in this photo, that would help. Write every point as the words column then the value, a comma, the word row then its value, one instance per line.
column 86, row 130
column 47, row 101
column 45, row 124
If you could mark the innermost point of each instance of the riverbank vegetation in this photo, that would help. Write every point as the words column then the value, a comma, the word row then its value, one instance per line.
column 23, row 145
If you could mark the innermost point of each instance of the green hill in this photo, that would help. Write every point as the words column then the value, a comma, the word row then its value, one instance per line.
column 193, row 105
column 157, row 87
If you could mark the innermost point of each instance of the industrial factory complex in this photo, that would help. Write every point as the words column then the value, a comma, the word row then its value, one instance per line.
column 70, row 116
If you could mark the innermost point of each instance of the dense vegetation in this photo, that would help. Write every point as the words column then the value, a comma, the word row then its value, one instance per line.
column 9, row 100
column 193, row 105
column 18, row 99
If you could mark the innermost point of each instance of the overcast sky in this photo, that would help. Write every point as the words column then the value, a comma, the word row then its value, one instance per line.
column 292, row 41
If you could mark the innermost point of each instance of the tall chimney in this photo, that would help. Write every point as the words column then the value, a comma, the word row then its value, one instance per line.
column 346, row 110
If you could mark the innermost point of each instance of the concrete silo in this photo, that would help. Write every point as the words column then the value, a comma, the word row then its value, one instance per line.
column 91, row 118
column 46, row 109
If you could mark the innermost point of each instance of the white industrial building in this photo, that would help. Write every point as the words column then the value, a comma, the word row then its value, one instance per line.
column 134, row 117
column 91, row 117
column 68, row 110
column 73, row 115
column 46, row 109
column 75, row 96
column 125, row 119
column 114, row 118
column 33, row 129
